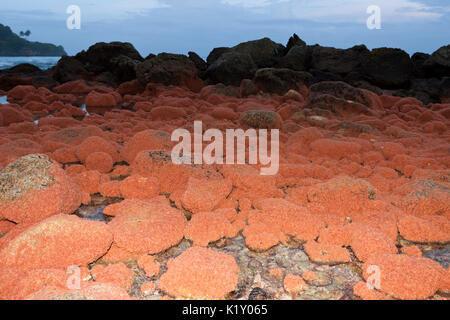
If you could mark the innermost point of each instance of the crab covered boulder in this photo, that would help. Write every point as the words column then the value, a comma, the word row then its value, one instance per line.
column 149, row 227
column 55, row 243
column 211, row 275
column 34, row 187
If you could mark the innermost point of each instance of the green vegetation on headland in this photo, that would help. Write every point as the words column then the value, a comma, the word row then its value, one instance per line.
column 14, row 46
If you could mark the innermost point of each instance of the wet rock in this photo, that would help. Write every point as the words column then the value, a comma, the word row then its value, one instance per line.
column 439, row 255
column 259, row 294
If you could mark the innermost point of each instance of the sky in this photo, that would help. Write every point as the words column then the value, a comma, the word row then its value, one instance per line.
column 179, row 26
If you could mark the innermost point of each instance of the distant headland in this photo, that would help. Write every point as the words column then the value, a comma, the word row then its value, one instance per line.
column 11, row 45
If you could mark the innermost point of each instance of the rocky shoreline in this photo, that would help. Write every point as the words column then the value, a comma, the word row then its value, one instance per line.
column 260, row 64
column 93, row 207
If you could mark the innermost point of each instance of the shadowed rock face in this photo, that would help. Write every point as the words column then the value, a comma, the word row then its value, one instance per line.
column 230, row 68
column 168, row 69
column 99, row 56
column 279, row 81
column 387, row 67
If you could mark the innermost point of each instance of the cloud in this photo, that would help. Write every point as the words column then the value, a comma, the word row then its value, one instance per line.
column 97, row 10
column 324, row 11
column 339, row 11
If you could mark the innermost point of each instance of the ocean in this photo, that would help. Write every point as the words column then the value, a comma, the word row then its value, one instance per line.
column 40, row 62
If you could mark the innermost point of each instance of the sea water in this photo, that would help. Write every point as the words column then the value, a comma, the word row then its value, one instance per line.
column 40, row 62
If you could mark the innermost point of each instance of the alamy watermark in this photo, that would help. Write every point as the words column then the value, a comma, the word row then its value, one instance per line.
column 374, row 278
column 235, row 147
column 74, row 20
column 374, row 20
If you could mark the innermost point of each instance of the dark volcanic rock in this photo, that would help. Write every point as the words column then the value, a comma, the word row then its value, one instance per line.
column 387, row 67
column 231, row 68
column 216, row 53
column 442, row 56
column 296, row 59
column 120, row 58
column 438, row 64
column 340, row 61
column 169, row 69
column 98, row 57
column 123, row 67
column 340, row 98
column 264, row 52
column 445, row 90
column 339, row 106
column 280, row 81
column 248, row 88
column 340, row 90
column 23, row 74
column 319, row 76
column 220, row 88
column 24, row 68
column 200, row 64
column 429, row 86
column 442, row 256
column 418, row 59
column 294, row 41
column 69, row 69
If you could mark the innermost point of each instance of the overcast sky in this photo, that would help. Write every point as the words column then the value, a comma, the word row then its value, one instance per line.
column 180, row 26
